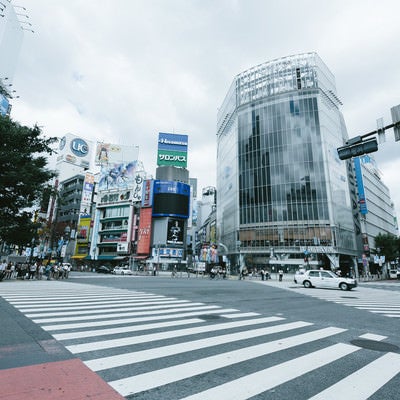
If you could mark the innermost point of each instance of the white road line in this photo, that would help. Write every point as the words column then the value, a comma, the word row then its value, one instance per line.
column 95, row 324
column 372, row 336
column 152, row 379
column 261, row 381
column 165, row 351
column 109, row 305
column 125, row 329
column 109, row 344
column 86, row 301
column 91, row 312
column 114, row 314
column 240, row 315
column 362, row 384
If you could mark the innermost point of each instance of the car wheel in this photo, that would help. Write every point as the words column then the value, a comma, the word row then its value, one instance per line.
column 307, row 284
column 344, row 286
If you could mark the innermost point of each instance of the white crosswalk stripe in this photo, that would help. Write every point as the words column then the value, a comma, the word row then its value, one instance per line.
column 374, row 300
column 141, row 342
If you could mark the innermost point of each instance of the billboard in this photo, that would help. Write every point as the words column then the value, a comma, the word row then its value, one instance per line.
column 147, row 197
column 107, row 153
column 75, row 150
column 175, row 231
column 171, row 198
column 172, row 150
column 120, row 175
column 144, row 231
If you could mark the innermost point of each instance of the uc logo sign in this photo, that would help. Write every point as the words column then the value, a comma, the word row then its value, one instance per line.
column 79, row 147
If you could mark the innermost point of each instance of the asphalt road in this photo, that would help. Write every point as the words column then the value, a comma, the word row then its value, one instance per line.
column 157, row 337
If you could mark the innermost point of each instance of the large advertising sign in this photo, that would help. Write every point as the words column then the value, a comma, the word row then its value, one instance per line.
column 172, row 150
column 120, row 175
column 75, row 150
column 147, row 197
column 107, row 153
column 171, row 198
column 144, row 231
column 175, row 231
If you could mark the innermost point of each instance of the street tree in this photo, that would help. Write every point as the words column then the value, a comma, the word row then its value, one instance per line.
column 388, row 245
column 24, row 179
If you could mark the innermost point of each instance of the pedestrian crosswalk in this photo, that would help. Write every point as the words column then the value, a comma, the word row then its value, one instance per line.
column 156, row 347
column 373, row 299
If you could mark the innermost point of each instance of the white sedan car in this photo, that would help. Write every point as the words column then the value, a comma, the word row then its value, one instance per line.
column 122, row 271
column 324, row 279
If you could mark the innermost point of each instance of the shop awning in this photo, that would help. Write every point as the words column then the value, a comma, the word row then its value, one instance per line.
column 79, row 256
column 140, row 257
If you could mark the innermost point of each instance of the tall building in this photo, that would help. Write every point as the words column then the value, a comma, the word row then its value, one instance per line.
column 11, row 36
column 283, row 195
column 377, row 213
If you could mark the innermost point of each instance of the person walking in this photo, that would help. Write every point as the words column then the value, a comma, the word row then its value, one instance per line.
column 32, row 271
column 280, row 273
column 262, row 272
column 3, row 267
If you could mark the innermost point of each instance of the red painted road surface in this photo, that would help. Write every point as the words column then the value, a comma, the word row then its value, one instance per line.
column 66, row 380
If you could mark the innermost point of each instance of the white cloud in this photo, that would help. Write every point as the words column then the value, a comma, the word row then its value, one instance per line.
column 121, row 70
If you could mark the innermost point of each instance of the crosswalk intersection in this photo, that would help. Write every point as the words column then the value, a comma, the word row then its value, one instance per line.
column 375, row 299
column 155, row 347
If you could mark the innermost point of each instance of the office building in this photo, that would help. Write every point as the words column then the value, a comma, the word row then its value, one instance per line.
column 283, row 195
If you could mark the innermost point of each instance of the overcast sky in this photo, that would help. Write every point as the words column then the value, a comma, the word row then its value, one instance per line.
column 121, row 71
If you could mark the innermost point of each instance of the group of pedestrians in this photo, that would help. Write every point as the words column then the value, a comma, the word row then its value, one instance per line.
column 31, row 271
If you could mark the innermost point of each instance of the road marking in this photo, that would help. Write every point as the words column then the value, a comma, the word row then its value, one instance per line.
column 125, row 329
column 152, row 379
column 362, row 384
column 107, row 306
column 109, row 344
column 165, row 351
column 372, row 336
column 95, row 324
column 91, row 312
column 44, row 320
column 102, row 300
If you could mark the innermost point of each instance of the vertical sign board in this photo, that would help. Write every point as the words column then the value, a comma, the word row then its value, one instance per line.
column 144, row 234
column 395, row 111
column 362, row 201
column 4, row 105
column 172, row 150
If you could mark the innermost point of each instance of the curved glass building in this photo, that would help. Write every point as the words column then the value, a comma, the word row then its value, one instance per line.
column 283, row 195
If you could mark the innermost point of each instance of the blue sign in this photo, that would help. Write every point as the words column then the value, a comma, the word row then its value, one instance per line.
column 79, row 147
column 362, row 201
column 4, row 105
column 172, row 141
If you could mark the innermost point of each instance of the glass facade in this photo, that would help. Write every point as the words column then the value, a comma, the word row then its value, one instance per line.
column 282, row 191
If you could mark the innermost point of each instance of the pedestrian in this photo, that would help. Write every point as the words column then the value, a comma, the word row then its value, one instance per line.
column 12, row 271
column 280, row 273
column 32, row 271
column 8, row 270
column 262, row 273
column 3, row 267
column 40, row 271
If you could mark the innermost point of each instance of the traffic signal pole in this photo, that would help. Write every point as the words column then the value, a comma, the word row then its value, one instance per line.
column 357, row 146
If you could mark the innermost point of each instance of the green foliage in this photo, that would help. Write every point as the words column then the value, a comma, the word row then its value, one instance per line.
column 388, row 245
column 24, row 178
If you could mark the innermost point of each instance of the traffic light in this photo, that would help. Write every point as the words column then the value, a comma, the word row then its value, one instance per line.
column 358, row 149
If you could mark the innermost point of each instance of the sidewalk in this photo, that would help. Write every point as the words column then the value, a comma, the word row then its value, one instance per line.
column 34, row 366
